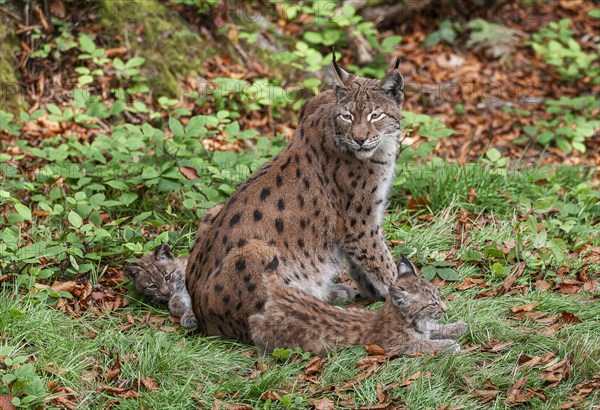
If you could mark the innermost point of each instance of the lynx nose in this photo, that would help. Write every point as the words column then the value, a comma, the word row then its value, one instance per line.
column 164, row 290
column 361, row 140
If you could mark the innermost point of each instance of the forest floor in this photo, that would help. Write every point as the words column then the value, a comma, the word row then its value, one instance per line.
column 502, row 218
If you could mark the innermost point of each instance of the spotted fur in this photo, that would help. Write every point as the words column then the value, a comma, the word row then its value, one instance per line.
column 407, row 323
column 318, row 202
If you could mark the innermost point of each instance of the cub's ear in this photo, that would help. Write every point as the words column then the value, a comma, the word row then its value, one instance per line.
column 131, row 271
column 406, row 268
column 399, row 296
column 393, row 84
column 163, row 252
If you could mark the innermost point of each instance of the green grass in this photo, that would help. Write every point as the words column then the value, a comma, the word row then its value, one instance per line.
column 192, row 371
column 196, row 372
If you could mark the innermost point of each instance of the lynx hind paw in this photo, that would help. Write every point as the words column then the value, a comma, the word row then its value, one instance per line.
column 339, row 293
column 189, row 320
column 257, row 329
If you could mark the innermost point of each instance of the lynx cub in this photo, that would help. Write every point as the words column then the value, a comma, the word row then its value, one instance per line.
column 161, row 277
column 318, row 202
column 407, row 322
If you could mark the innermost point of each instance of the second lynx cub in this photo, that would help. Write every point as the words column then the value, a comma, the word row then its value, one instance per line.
column 407, row 323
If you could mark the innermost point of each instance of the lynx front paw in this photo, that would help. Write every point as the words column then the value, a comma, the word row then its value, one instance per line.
column 461, row 328
column 339, row 293
column 189, row 320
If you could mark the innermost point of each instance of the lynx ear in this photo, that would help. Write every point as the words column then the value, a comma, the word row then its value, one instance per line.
column 406, row 268
column 393, row 83
column 399, row 296
column 341, row 78
column 131, row 271
column 163, row 252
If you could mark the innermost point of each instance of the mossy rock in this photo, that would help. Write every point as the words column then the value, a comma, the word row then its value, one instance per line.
column 170, row 48
column 11, row 99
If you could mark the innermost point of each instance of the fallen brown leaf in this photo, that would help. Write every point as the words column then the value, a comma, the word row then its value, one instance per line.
column 374, row 350
column 526, row 361
column 115, row 371
column 189, row 172
column 63, row 394
column 542, row 285
column 509, row 281
column 529, row 315
column 220, row 405
column 270, row 395
column 410, row 379
column 379, row 406
column 524, row 308
column 514, row 395
column 314, row 365
column 381, row 396
column 551, row 330
column 586, row 388
column 589, row 286
column 63, row 286
column 569, row 288
column 469, row 283
column 6, row 402
column 548, row 320
column 557, row 372
column 322, row 404
column 472, row 195
column 261, row 367
column 485, row 395
column 128, row 393
column 495, row 345
column 568, row 317
column 148, row 384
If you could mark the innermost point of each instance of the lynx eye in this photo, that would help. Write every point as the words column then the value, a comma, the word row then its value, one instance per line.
column 168, row 276
column 347, row 117
column 376, row 116
column 152, row 286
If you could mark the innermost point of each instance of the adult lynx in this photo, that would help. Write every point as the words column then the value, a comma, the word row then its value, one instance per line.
column 319, row 201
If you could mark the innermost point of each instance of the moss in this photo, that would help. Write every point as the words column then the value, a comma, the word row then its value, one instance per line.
column 171, row 50
column 10, row 97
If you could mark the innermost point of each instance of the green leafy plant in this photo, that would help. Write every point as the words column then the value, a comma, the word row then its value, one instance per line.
column 570, row 124
column 556, row 45
column 497, row 40
column 19, row 378
column 444, row 270
column 447, row 33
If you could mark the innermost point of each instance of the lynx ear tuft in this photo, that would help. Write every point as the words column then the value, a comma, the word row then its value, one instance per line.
column 393, row 85
column 406, row 268
column 131, row 271
column 163, row 252
column 341, row 78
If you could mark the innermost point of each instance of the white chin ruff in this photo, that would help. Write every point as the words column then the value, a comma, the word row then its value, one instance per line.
column 364, row 154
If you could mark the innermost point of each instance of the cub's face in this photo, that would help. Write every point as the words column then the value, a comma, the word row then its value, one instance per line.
column 368, row 114
column 157, row 274
column 417, row 300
